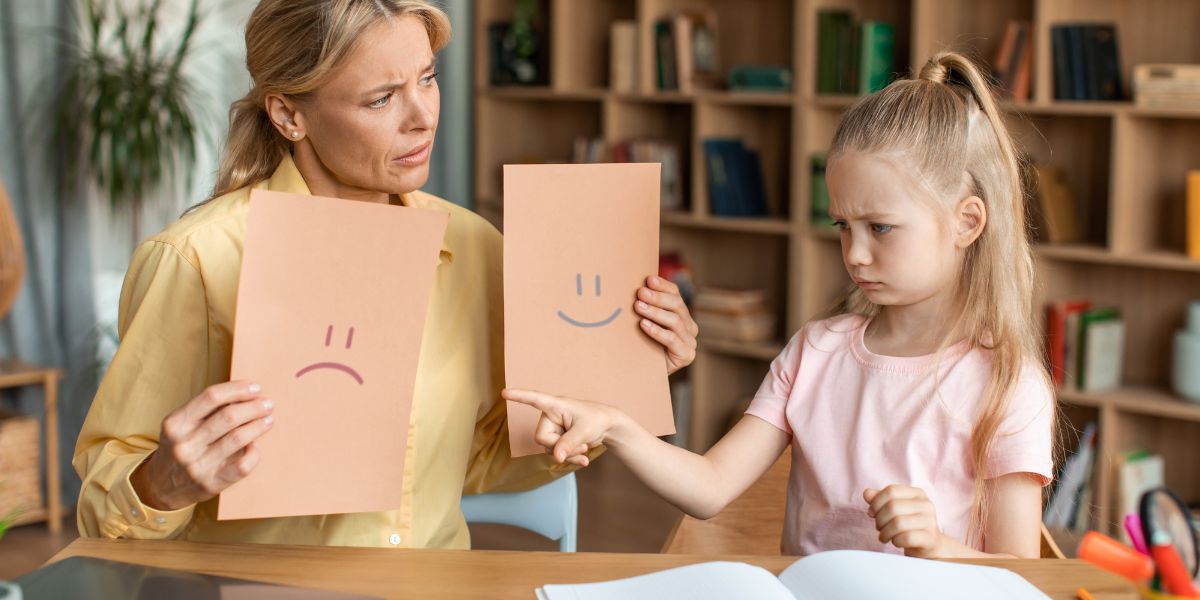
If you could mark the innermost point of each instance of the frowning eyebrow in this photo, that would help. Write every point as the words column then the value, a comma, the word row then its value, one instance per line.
column 862, row 217
column 398, row 84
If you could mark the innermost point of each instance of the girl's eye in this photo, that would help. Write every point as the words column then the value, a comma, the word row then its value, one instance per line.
column 428, row 80
column 381, row 102
column 879, row 228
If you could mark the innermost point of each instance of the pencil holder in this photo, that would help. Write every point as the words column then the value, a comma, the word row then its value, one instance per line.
column 1185, row 372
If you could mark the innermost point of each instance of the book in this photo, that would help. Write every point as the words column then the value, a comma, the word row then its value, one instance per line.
column 834, row 575
column 1072, row 481
column 832, row 35
column 664, row 44
column 1166, row 85
column 758, row 327
column 1063, row 90
column 1013, row 63
column 695, row 38
column 819, row 214
column 731, row 301
column 1101, row 342
column 1057, row 207
column 760, row 78
column 734, row 176
column 1193, row 214
column 1137, row 472
column 1103, row 62
column 876, row 51
column 1057, row 314
column 623, row 56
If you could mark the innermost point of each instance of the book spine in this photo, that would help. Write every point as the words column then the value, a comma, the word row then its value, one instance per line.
column 1079, row 79
column 1063, row 86
column 1193, row 214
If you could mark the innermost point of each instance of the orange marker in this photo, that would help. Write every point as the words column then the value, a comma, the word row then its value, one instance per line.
column 1083, row 594
column 1115, row 557
column 1175, row 576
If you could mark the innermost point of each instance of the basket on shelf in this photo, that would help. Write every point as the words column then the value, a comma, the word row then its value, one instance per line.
column 12, row 255
column 20, row 485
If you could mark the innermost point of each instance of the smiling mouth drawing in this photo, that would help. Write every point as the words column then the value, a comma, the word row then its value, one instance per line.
column 610, row 318
column 579, row 291
column 336, row 366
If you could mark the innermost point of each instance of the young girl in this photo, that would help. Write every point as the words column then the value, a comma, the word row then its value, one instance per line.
column 920, row 420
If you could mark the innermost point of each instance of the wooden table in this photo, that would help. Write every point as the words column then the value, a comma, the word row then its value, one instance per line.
column 452, row 574
column 14, row 373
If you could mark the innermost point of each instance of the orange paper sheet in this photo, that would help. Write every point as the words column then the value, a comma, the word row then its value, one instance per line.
column 331, row 310
column 579, row 240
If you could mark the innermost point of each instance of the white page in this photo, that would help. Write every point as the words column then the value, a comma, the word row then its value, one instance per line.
column 704, row 581
column 855, row 574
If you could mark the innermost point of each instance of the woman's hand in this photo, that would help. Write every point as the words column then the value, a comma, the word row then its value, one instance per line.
column 568, row 428
column 205, row 446
column 666, row 319
column 905, row 516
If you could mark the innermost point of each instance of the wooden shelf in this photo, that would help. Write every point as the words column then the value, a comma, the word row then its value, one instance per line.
column 739, row 224
column 1136, row 400
column 765, row 351
column 1170, row 261
column 1125, row 164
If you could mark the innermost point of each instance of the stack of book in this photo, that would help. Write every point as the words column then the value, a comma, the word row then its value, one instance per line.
column 686, row 51
column 1085, row 345
column 735, row 179
column 1171, row 86
column 1013, row 66
column 734, row 315
column 1087, row 65
column 598, row 150
column 853, row 57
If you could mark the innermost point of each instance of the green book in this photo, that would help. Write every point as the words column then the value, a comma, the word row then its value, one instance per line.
column 829, row 24
column 820, row 192
column 1101, row 335
column 877, row 54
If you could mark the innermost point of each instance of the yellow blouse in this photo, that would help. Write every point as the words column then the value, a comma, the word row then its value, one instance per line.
column 176, row 327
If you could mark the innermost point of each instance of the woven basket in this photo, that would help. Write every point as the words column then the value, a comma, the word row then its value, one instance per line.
column 20, row 482
column 12, row 255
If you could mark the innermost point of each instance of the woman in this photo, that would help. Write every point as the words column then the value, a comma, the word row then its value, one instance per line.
column 344, row 104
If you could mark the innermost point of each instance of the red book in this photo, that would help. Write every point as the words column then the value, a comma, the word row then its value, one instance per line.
column 1056, row 335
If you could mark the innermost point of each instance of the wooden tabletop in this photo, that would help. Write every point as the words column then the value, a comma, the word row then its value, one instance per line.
column 452, row 574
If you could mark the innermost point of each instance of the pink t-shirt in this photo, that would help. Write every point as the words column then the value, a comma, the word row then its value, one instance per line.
column 860, row 420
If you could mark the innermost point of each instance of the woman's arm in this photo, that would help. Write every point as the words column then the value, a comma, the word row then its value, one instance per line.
column 905, row 517
column 700, row 485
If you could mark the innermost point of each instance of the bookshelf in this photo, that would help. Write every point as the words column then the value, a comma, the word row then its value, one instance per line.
column 1127, row 165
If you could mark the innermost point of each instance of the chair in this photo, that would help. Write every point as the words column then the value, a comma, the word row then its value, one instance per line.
column 551, row 510
column 1050, row 548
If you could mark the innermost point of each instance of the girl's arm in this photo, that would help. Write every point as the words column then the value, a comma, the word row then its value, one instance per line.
column 905, row 517
column 699, row 485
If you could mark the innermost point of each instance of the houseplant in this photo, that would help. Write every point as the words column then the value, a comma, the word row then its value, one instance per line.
column 126, row 112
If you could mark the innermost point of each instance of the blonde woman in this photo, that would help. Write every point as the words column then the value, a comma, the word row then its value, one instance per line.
column 920, row 420
column 344, row 104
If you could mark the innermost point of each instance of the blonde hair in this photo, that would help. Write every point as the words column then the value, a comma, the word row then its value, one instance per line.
column 946, row 126
column 292, row 48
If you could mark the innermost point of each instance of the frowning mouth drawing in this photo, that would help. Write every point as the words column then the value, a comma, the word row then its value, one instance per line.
column 335, row 366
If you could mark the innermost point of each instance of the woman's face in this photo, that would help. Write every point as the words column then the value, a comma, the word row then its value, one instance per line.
column 370, row 129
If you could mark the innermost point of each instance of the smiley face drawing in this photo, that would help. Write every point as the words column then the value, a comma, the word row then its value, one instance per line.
column 579, row 292
column 336, row 366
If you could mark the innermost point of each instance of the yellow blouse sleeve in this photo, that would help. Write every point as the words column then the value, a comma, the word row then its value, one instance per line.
column 161, row 364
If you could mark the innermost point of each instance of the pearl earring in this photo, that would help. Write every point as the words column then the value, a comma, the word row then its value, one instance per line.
column 296, row 135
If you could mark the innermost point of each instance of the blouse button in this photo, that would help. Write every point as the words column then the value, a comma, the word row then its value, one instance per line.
column 394, row 539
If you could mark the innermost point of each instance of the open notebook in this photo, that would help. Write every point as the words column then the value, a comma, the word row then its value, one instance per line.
column 835, row 575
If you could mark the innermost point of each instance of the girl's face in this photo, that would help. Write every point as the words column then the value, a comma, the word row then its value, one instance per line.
column 372, row 125
column 898, row 245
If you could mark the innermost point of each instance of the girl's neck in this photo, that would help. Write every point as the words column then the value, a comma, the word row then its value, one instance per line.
column 912, row 330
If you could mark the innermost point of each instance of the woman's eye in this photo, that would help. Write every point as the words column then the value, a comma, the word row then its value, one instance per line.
column 840, row 225
column 381, row 102
column 881, row 228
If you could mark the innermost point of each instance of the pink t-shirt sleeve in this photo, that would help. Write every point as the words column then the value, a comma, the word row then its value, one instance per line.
column 1024, row 440
column 770, row 402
